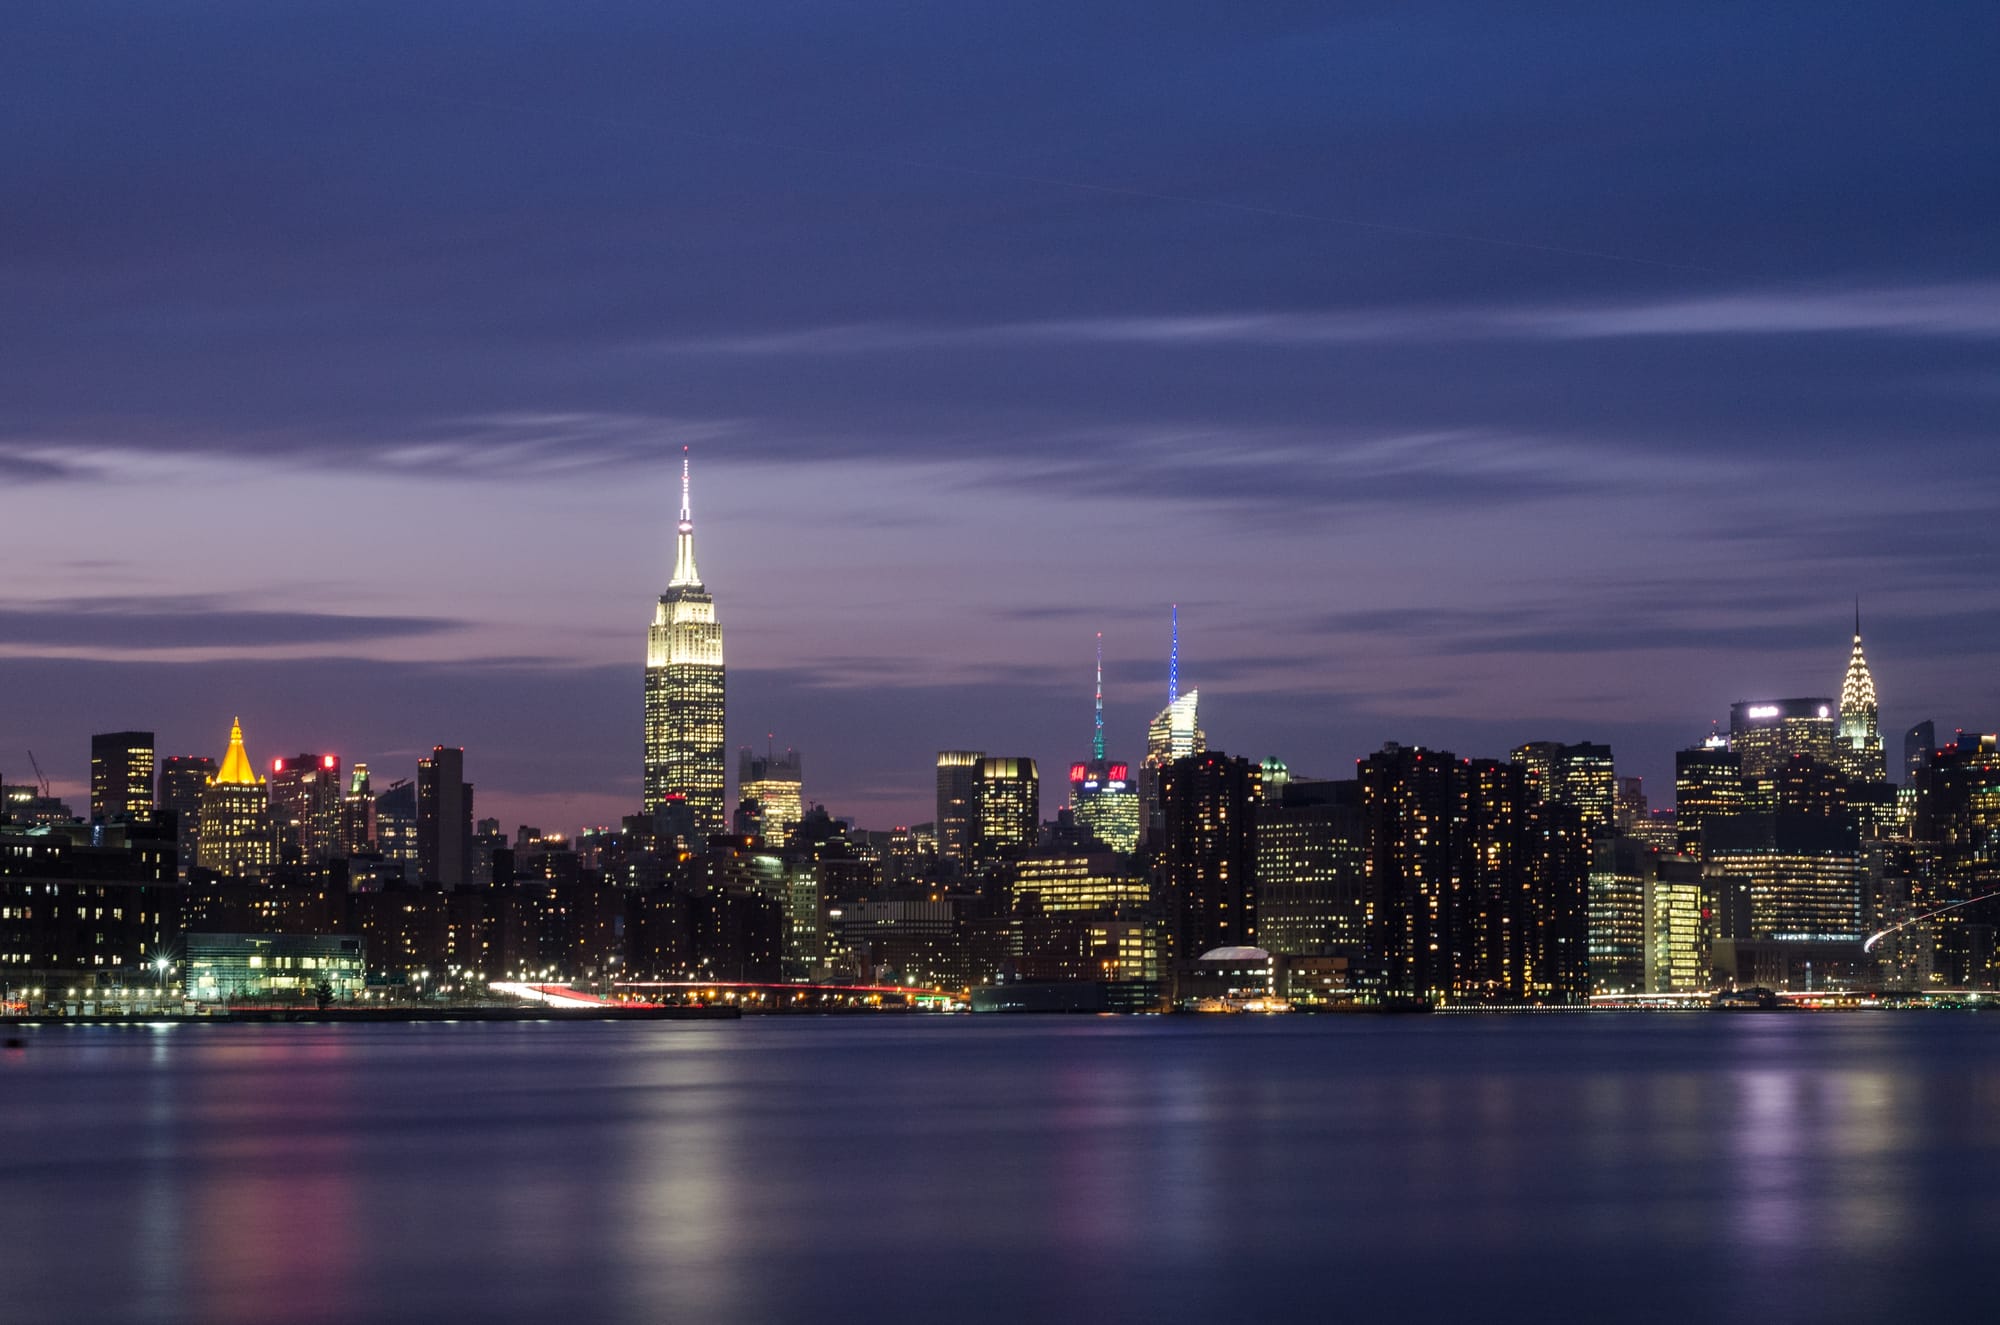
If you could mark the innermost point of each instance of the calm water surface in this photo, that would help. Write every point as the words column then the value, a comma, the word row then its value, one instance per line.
column 1685, row 1168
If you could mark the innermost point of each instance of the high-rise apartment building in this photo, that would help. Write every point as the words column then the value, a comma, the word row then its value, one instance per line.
column 444, row 818
column 238, row 838
column 121, row 777
column 1677, row 960
column 1208, row 861
column 1009, row 808
column 305, row 799
column 1858, row 749
column 685, row 747
column 775, row 783
column 958, row 803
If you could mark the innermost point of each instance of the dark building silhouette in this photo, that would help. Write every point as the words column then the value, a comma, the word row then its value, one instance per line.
column 1918, row 742
column 182, row 778
column 1208, row 859
column 444, row 818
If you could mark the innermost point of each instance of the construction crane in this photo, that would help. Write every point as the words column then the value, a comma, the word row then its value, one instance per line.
column 41, row 779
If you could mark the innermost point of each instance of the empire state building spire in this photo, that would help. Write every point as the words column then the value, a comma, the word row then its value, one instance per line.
column 684, row 571
column 685, row 694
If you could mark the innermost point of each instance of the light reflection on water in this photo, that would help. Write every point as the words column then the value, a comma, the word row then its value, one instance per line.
column 1677, row 1167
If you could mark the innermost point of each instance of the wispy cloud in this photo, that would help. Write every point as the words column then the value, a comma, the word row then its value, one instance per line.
column 141, row 624
column 1969, row 310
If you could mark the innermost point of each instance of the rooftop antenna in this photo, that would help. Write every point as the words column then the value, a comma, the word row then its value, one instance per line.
column 1097, row 738
column 1174, row 661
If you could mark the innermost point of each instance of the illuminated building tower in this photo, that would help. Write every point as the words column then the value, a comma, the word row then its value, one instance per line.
column 1579, row 775
column 1767, row 732
column 121, row 777
column 1208, row 857
column 684, row 689
column 396, row 824
column 1009, row 808
column 1676, row 953
column 238, row 839
column 1859, row 749
column 305, row 798
column 1102, row 796
column 182, row 779
column 958, row 802
column 357, row 815
column 1174, row 733
column 1619, row 870
column 444, row 818
column 1708, row 783
column 1312, row 874
column 774, row 782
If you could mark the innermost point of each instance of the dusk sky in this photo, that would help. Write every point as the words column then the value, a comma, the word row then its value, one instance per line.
column 1468, row 374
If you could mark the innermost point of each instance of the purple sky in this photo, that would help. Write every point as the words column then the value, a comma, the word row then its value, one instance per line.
column 1468, row 374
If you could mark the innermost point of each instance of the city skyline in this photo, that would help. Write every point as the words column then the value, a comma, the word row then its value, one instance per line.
column 1434, row 439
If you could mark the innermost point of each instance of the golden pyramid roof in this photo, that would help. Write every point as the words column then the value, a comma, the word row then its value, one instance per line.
column 236, row 765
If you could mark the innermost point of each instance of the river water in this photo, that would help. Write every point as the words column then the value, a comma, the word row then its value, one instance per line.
column 1609, row 1167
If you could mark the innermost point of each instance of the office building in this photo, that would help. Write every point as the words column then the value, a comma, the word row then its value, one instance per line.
column 238, row 837
column 1767, row 732
column 1312, row 870
column 1077, row 882
column 684, row 740
column 1174, row 733
column 1009, row 808
column 1620, row 872
column 774, row 783
column 1103, row 796
column 958, row 803
column 1708, row 784
column 1208, row 852
column 444, row 818
column 396, row 825
column 121, row 777
column 1676, row 944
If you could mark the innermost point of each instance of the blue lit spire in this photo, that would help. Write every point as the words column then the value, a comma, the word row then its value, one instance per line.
column 1174, row 661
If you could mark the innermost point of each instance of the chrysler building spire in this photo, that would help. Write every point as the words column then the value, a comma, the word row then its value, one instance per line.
column 1860, row 745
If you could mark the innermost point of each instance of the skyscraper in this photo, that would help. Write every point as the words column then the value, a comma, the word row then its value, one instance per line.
column 1312, row 876
column 685, row 748
column 121, row 777
column 1209, row 852
column 1102, row 795
column 1010, row 807
column 1579, row 775
column 305, row 797
column 238, row 838
column 444, row 818
column 1859, row 748
column 1708, row 784
column 182, row 778
column 958, row 802
column 1767, row 732
column 775, row 783
column 357, row 815
column 1918, row 742
column 1174, row 733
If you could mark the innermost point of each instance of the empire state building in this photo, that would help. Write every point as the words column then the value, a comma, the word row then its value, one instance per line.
column 684, row 690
